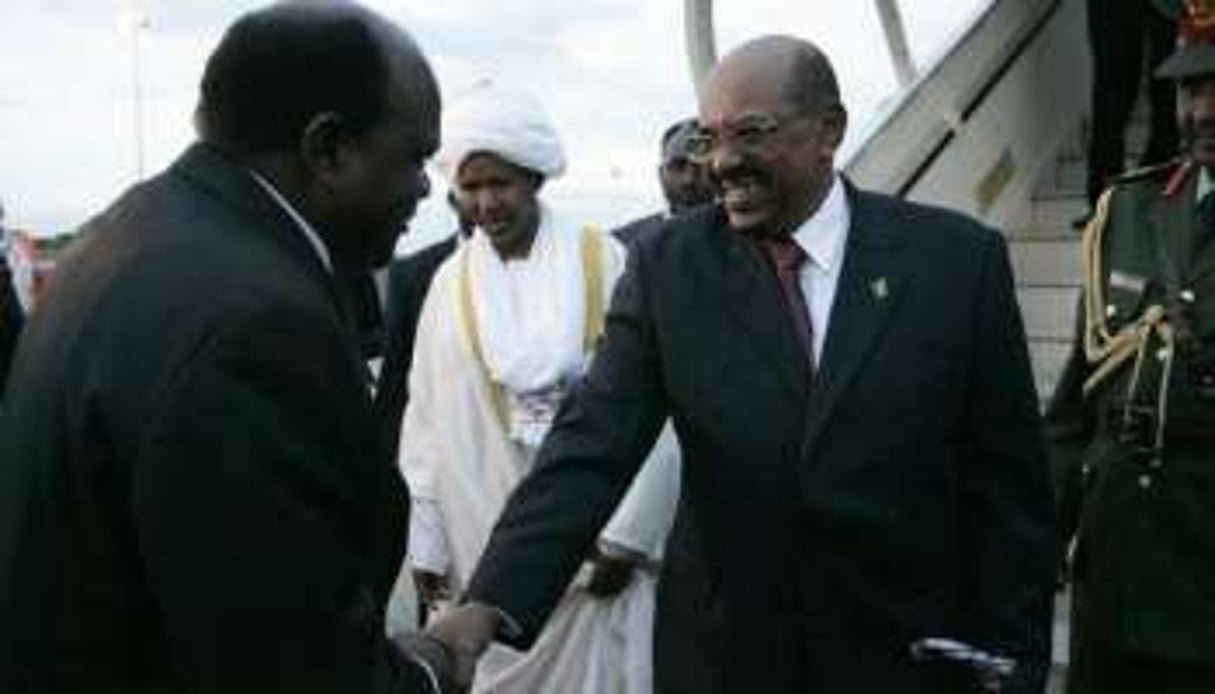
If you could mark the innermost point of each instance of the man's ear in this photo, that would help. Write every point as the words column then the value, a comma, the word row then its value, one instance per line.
column 835, row 124
column 321, row 145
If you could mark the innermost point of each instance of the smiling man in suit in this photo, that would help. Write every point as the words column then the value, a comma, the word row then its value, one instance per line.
column 849, row 380
column 191, row 495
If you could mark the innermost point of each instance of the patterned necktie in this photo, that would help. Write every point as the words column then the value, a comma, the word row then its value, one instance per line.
column 788, row 258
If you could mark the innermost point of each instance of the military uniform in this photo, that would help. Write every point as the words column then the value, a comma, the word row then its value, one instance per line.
column 1133, row 420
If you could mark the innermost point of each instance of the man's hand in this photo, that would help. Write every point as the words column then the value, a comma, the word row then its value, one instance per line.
column 432, row 589
column 433, row 655
column 466, row 631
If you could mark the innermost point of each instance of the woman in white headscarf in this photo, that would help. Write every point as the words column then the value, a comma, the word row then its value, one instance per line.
column 509, row 325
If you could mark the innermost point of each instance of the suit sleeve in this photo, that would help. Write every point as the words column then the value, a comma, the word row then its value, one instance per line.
column 1009, row 496
column 598, row 441
column 250, row 495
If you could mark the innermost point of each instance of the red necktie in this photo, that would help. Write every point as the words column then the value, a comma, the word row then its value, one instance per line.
column 788, row 258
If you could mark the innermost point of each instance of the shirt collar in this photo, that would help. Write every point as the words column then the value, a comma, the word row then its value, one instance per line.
column 822, row 235
column 314, row 239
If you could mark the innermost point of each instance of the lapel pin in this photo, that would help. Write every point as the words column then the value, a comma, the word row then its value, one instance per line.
column 879, row 288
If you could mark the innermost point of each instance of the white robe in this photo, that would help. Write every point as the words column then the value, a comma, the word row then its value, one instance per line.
column 458, row 459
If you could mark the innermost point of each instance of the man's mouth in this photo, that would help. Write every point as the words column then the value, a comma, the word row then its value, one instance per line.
column 742, row 194
column 496, row 224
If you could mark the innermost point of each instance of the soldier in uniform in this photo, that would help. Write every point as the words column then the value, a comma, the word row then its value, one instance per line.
column 1133, row 419
column 1127, row 37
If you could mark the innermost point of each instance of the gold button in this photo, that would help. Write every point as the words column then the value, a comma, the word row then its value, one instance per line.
column 1145, row 482
column 1187, row 295
column 1111, row 311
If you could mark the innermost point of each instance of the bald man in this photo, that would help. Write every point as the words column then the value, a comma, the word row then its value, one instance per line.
column 848, row 376
column 191, row 498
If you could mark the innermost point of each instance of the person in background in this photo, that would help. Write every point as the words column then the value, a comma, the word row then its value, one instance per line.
column 1132, row 422
column 1127, row 38
column 192, row 497
column 685, row 183
column 408, row 282
column 508, row 327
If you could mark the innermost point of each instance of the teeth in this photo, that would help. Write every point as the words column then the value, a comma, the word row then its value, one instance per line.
column 738, row 191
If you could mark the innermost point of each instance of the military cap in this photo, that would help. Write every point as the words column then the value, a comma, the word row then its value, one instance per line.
column 675, row 140
column 1195, row 54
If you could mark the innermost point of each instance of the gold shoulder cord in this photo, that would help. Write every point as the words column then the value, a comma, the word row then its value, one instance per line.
column 592, row 273
column 591, row 244
column 1108, row 351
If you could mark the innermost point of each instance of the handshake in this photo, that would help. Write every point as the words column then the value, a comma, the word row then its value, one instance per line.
column 450, row 646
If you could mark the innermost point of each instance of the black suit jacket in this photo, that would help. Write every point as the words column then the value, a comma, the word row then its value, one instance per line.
column 11, row 320
column 191, row 496
column 408, row 283
column 904, row 495
column 631, row 232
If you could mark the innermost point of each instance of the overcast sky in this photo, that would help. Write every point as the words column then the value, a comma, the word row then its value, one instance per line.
column 612, row 73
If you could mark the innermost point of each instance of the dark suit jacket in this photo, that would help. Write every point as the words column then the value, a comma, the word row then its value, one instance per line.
column 688, row 618
column 192, row 498
column 408, row 283
column 11, row 320
column 905, row 495
column 649, row 224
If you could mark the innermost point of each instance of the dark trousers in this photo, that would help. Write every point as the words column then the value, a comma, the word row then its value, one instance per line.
column 1100, row 665
column 1129, row 38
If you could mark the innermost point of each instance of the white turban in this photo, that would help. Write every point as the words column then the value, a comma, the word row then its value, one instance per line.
column 507, row 123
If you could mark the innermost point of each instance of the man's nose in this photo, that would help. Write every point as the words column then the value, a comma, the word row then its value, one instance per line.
column 483, row 201
column 725, row 157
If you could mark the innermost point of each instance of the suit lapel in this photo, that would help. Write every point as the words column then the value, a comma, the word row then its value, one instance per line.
column 870, row 285
column 753, row 298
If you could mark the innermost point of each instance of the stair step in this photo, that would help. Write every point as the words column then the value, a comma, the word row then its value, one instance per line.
column 1049, row 313
column 1049, row 358
column 1057, row 214
column 1067, row 178
column 1042, row 261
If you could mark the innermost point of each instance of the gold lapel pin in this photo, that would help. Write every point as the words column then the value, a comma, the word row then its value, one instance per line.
column 879, row 288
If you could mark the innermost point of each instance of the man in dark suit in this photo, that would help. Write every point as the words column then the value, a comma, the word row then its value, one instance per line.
column 11, row 315
column 862, row 449
column 192, row 497
column 685, row 183
column 408, row 282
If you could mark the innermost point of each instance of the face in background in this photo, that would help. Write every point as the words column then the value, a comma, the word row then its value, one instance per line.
column 1196, row 118
column 685, row 184
column 769, row 151
column 501, row 199
column 378, row 178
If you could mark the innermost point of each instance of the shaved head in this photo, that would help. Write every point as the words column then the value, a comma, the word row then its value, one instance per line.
column 337, row 108
column 771, row 114
column 793, row 68
column 277, row 67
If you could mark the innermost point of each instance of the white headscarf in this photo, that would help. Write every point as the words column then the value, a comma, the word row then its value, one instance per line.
column 508, row 123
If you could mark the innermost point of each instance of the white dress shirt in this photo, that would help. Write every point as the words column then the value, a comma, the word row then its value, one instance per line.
column 823, row 237
column 314, row 239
